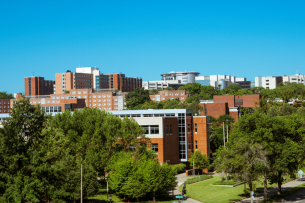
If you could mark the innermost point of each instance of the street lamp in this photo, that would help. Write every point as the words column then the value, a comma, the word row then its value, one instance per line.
column 110, row 198
column 193, row 165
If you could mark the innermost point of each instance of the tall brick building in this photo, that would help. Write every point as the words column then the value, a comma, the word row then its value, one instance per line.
column 91, row 78
column 37, row 86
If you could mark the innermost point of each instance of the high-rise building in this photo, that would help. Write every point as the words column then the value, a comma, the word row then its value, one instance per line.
column 91, row 78
column 37, row 86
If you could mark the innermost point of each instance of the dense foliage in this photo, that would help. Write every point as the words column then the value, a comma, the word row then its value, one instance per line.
column 5, row 95
column 264, row 146
column 41, row 156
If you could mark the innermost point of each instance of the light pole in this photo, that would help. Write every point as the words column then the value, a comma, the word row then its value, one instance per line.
column 110, row 198
column 227, row 130
column 194, row 165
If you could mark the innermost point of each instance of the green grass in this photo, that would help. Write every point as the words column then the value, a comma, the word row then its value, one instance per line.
column 204, row 191
column 102, row 198
column 199, row 178
column 284, row 194
column 229, row 182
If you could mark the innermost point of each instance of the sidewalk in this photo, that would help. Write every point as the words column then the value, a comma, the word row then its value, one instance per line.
column 273, row 191
column 181, row 178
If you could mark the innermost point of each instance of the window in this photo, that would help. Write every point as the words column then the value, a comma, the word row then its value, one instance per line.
column 115, row 99
column 98, row 100
column 104, row 96
column 154, row 147
column 108, row 99
column 196, row 144
column 48, row 101
column 94, row 96
column 62, row 97
column 109, row 108
column 131, row 147
column 94, row 100
column 57, row 97
column 67, row 97
column 108, row 95
column 189, row 145
column 115, row 103
column 181, row 97
column 104, row 107
column 99, row 104
column 163, row 98
column 72, row 93
column 94, row 104
column 109, row 104
column 153, row 98
column 53, row 97
column 116, row 107
column 34, row 102
column 85, row 96
column 104, row 104
column 195, row 127
column 57, row 101
column 154, row 129
column 85, row 92
column 181, row 93
column 104, row 100
column 99, row 96
column 145, row 127
column 79, row 96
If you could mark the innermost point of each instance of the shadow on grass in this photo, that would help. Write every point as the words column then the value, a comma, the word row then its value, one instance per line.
column 101, row 197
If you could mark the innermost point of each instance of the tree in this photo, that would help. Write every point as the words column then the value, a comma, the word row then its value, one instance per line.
column 20, row 134
column 136, row 98
column 231, row 89
column 201, row 161
column 5, row 95
column 168, row 88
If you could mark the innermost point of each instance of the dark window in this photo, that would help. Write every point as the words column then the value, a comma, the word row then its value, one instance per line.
column 196, row 144
column 189, row 145
column 154, row 129
column 195, row 127
column 154, row 147
column 145, row 127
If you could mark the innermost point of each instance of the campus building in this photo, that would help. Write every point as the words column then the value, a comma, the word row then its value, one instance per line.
column 174, row 133
column 91, row 78
column 164, row 95
column 228, row 105
column 268, row 82
column 37, row 86
column 5, row 105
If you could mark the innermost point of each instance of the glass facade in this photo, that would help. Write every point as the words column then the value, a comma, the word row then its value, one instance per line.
column 97, row 82
column 181, row 130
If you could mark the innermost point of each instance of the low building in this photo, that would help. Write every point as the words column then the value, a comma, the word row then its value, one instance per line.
column 174, row 133
column 164, row 95
column 228, row 105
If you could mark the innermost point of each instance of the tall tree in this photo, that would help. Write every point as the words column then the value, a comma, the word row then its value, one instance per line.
column 5, row 95
column 136, row 98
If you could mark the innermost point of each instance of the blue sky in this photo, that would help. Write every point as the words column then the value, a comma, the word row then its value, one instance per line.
column 148, row 38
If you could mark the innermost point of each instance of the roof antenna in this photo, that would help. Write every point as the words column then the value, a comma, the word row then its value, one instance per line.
column 33, row 73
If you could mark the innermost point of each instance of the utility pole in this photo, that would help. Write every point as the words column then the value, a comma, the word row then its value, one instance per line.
column 224, row 136
column 227, row 131
column 81, row 180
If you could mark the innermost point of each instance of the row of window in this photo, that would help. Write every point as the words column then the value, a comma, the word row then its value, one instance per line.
column 4, row 110
column 50, row 109
column 163, row 98
column 151, row 129
column 5, row 106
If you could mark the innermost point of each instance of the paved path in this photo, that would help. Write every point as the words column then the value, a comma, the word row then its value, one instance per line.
column 181, row 178
column 273, row 191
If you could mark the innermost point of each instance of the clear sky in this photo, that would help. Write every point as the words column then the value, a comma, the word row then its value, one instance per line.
column 147, row 38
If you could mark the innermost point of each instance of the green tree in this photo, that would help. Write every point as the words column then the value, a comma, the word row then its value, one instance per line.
column 168, row 88
column 201, row 161
column 136, row 98
column 5, row 95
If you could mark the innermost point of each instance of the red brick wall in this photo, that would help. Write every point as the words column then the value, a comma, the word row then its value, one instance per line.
column 230, row 99
column 214, row 109
column 234, row 115
column 171, row 141
column 249, row 100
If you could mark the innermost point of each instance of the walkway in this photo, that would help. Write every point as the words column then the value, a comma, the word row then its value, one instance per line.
column 273, row 191
column 181, row 178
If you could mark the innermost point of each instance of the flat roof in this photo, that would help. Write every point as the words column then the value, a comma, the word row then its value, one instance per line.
column 151, row 111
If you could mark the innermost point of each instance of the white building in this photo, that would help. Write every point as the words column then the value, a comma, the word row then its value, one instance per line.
column 268, row 82
column 297, row 78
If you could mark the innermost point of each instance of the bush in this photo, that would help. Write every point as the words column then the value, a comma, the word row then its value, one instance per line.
column 180, row 168
column 197, row 179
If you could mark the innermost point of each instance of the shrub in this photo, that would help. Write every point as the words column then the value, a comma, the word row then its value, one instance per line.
column 196, row 179
column 180, row 168
column 220, row 182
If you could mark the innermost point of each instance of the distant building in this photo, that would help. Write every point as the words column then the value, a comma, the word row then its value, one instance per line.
column 164, row 95
column 37, row 85
column 171, row 79
column 91, row 78
column 268, row 82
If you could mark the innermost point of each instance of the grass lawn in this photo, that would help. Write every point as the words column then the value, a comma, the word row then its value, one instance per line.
column 102, row 198
column 203, row 191
column 285, row 194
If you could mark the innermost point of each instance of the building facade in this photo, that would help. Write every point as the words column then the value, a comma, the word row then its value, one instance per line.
column 37, row 86
column 174, row 133
column 268, row 82
column 164, row 95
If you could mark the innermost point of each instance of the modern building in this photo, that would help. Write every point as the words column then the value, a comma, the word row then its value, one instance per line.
column 164, row 95
column 171, row 79
column 220, row 81
column 297, row 78
column 174, row 133
column 268, row 82
column 37, row 86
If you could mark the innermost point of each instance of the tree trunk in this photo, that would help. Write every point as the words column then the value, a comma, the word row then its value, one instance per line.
column 154, row 197
column 279, row 183
column 265, row 188
column 138, row 199
column 250, row 186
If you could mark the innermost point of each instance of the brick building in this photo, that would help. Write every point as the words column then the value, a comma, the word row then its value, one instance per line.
column 174, row 133
column 5, row 105
column 170, row 94
column 228, row 104
column 37, row 86
column 91, row 78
